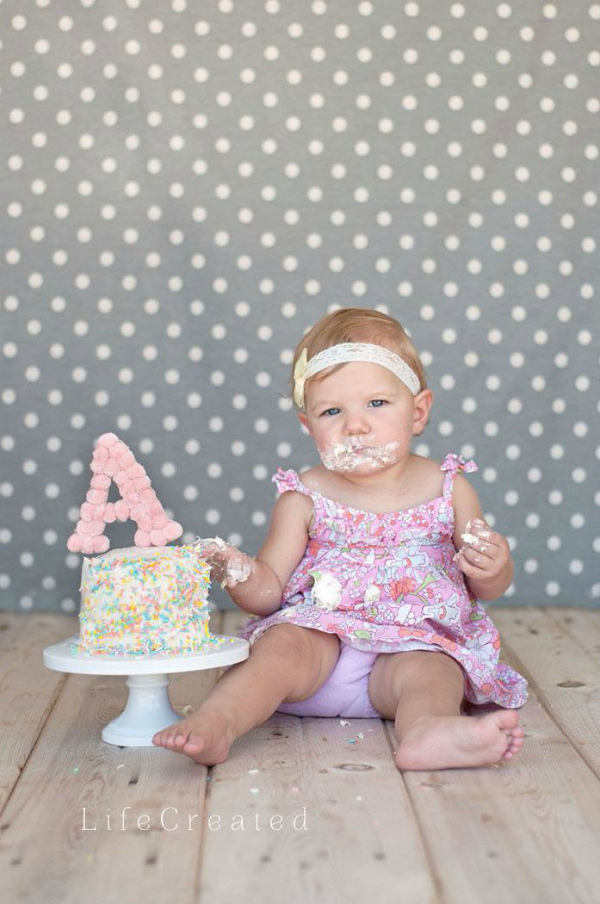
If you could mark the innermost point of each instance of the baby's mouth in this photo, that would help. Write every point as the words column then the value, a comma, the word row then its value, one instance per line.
column 356, row 452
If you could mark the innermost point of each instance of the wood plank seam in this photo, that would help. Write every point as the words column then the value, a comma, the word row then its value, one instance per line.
column 217, row 618
column 58, row 691
column 438, row 885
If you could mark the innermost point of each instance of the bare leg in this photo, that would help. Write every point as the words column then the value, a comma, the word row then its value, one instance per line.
column 427, row 688
column 287, row 662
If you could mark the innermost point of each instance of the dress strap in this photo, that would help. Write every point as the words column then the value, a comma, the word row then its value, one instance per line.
column 289, row 480
column 452, row 464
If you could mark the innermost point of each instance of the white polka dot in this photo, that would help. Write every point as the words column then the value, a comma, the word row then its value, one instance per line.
column 192, row 447
column 259, row 519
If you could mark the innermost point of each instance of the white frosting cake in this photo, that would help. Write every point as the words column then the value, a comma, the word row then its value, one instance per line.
column 145, row 600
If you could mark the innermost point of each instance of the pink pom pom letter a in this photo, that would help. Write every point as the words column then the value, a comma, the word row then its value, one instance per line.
column 112, row 461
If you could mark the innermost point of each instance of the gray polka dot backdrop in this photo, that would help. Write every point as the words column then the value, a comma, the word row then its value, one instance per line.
column 187, row 187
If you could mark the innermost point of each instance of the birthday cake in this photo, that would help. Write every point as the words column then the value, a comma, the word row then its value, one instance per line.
column 140, row 601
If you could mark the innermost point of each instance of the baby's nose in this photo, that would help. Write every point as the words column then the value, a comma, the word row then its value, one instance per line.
column 356, row 425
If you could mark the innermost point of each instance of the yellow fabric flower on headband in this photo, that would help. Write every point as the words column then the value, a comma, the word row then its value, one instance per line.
column 299, row 378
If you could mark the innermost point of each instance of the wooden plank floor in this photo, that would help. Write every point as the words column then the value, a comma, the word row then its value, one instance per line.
column 304, row 810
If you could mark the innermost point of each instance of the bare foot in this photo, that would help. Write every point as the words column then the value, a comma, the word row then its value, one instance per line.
column 205, row 736
column 446, row 742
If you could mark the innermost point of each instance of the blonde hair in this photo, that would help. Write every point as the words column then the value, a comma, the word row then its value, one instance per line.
column 358, row 325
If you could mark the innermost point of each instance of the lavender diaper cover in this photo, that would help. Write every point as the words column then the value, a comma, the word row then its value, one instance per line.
column 344, row 693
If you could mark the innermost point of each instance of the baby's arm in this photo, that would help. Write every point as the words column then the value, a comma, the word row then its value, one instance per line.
column 485, row 557
column 256, row 585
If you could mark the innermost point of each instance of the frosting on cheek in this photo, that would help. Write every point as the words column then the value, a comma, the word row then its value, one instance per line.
column 355, row 452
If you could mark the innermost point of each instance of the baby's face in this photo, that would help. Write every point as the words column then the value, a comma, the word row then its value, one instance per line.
column 362, row 417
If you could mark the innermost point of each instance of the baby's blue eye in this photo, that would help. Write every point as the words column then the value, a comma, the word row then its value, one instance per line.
column 377, row 403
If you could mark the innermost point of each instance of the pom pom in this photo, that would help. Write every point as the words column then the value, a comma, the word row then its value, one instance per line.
column 145, row 524
column 100, row 482
column 126, row 460
column 148, row 495
column 87, row 511
column 109, row 512
column 159, row 522
column 101, row 453
column 107, row 439
column 122, row 510
column 110, row 467
column 136, row 470
column 172, row 530
column 96, row 497
column 100, row 544
column 74, row 543
column 87, row 546
column 158, row 538
column 141, row 538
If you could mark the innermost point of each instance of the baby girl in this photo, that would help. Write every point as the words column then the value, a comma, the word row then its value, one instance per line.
column 366, row 594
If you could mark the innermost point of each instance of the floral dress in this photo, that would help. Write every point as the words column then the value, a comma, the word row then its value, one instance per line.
column 388, row 583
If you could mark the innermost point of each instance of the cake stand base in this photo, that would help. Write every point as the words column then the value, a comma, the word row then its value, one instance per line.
column 148, row 708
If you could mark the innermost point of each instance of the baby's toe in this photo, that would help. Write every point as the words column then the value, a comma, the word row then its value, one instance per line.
column 168, row 736
column 176, row 740
column 194, row 743
column 508, row 719
column 514, row 744
column 163, row 738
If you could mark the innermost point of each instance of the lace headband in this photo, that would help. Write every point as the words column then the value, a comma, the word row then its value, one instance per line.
column 345, row 353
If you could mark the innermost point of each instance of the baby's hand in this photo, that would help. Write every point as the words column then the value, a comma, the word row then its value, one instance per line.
column 485, row 553
column 228, row 564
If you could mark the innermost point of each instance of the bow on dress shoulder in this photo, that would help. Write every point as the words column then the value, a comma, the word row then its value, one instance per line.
column 453, row 462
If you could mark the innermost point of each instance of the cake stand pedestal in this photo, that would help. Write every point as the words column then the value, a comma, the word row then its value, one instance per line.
column 148, row 708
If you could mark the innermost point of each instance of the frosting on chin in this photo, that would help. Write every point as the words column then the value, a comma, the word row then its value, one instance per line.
column 355, row 452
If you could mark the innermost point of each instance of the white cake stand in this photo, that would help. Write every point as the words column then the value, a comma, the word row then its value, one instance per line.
column 148, row 707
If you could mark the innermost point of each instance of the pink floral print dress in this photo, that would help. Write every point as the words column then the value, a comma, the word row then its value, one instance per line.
column 387, row 583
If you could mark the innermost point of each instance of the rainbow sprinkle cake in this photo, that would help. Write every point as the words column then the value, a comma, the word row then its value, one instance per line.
column 139, row 601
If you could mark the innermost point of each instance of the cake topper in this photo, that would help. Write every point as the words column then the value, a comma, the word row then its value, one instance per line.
column 113, row 460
